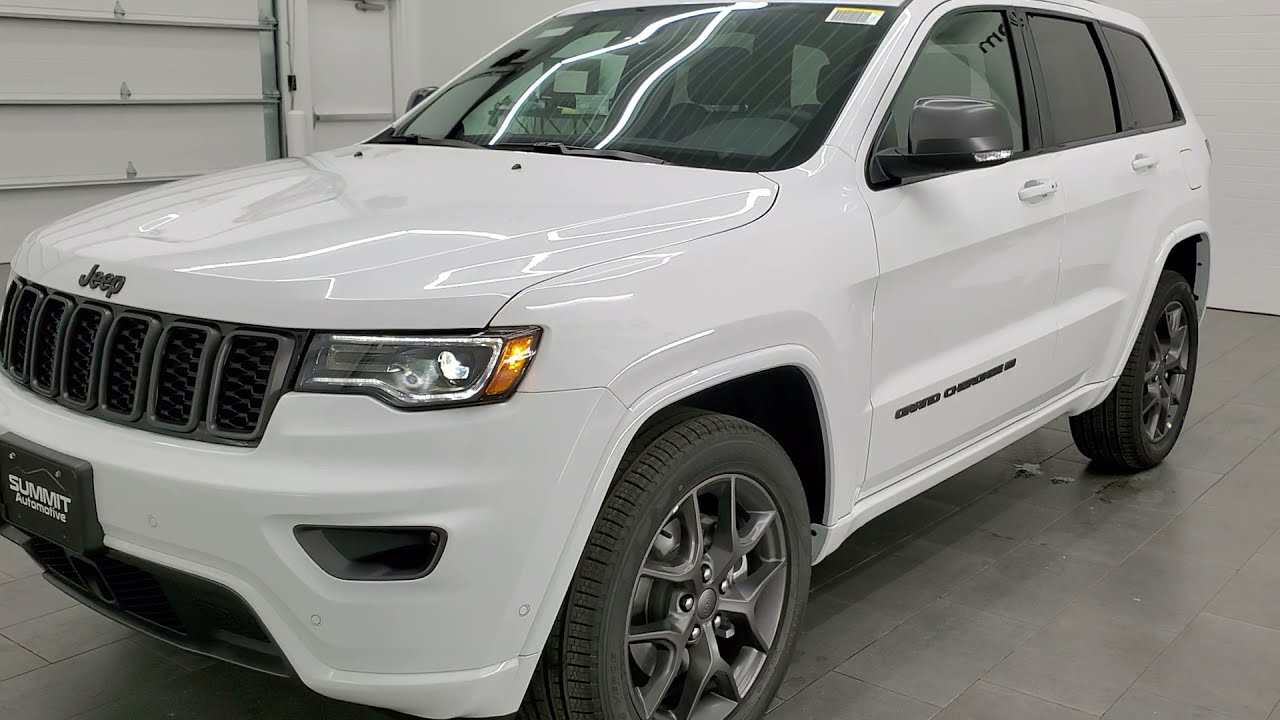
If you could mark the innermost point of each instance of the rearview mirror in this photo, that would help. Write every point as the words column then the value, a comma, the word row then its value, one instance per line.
column 417, row 96
column 947, row 134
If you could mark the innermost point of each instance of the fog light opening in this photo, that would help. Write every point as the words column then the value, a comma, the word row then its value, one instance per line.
column 373, row 554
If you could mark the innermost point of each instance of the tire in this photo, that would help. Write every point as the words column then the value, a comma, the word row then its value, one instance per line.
column 592, row 664
column 1124, row 433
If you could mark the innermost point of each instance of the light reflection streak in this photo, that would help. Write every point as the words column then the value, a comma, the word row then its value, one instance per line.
column 652, row 80
column 342, row 246
column 581, row 301
column 648, row 33
column 665, row 348
column 442, row 280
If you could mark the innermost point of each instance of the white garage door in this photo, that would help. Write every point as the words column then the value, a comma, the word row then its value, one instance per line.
column 100, row 98
column 1226, row 53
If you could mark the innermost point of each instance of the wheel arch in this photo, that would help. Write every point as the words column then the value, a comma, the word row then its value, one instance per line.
column 706, row 387
column 782, row 401
column 1191, row 258
column 1194, row 239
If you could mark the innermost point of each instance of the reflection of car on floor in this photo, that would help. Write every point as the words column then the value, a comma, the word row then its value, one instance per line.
column 545, row 399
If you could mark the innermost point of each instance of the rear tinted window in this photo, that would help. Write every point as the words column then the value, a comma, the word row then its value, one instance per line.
column 1144, row 84
column 1081, row 104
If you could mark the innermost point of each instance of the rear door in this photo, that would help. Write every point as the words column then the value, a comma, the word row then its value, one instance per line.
column 964, row 333
column 1109, row 114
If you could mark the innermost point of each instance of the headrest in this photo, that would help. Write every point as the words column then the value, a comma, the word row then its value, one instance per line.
column 709, row 70
column 828, row 83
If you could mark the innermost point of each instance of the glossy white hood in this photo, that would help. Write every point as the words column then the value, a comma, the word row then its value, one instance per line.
column 391, row 237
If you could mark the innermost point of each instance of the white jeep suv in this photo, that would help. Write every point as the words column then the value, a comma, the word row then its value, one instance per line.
column 545, row 399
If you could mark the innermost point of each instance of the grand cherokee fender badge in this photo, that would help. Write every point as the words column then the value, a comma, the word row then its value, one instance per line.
column 98, row 280
column 954, row 390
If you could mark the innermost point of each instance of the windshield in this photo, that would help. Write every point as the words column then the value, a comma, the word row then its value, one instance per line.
column 751, row 86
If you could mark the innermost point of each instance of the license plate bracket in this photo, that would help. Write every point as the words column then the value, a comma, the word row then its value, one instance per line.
column 48, row 494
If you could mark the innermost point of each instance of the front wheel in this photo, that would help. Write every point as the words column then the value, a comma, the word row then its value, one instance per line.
column 1137, row 426
column 687, row 601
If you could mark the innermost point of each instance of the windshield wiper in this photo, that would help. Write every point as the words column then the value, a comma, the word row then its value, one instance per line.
column 575, row 150
column 420, row 140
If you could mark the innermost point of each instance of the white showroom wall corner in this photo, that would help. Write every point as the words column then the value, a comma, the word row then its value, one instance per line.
column 347, row 67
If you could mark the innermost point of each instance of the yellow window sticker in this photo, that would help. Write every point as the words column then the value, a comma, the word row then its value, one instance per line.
column 855, row 16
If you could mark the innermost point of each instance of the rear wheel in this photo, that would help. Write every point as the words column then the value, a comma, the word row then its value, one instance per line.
column 1139, row 423
column 687, row 601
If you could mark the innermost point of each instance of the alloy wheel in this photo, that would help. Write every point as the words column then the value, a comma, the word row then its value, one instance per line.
column 1168, row 362
column 707, row 605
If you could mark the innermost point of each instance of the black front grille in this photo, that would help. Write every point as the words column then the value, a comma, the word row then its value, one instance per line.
column 187, row 611
column 87, row 328
column 19, row 337
column 185, row 351
column 207, row 380
column 44, row 345
column 128, row 345
column 246, row 376
column 9, row 298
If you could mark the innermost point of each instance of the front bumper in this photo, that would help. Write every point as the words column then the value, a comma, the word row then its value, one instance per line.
column 505, row 481
column 189, row 612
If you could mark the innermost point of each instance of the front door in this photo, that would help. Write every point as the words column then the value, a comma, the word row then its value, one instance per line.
column 964, row 329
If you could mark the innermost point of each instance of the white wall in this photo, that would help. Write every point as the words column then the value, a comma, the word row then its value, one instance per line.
column 1226, row 55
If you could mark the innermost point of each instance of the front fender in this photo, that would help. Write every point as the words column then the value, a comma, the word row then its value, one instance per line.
column 582, row 518
column 794, row 288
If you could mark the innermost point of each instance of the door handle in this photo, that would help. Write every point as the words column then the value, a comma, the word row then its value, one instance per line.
column 1145, row 162
column 1037, row 189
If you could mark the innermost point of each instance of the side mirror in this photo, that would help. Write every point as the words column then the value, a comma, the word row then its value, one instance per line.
column 948, row 134
column 417, row 96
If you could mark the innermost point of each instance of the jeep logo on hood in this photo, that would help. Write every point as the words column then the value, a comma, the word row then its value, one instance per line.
column 95, row 279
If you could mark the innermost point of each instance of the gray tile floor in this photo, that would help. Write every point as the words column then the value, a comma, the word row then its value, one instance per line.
column 1028, row 587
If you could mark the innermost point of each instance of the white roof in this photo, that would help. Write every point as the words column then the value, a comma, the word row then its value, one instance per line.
column 1088, row 7
column 615, row 4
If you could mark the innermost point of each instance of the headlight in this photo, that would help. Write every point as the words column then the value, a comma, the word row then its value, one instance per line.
column 420, row 372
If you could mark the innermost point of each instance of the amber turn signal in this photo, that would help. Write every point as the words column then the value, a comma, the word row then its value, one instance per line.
column 516, row 355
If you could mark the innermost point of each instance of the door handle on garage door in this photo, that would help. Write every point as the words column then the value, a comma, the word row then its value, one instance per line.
column 1037, row 189
column 1145, row 162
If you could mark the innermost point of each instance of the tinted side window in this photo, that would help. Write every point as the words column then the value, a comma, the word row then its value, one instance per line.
column 1081, row 104
column 967, row 55
column 1144, row 84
